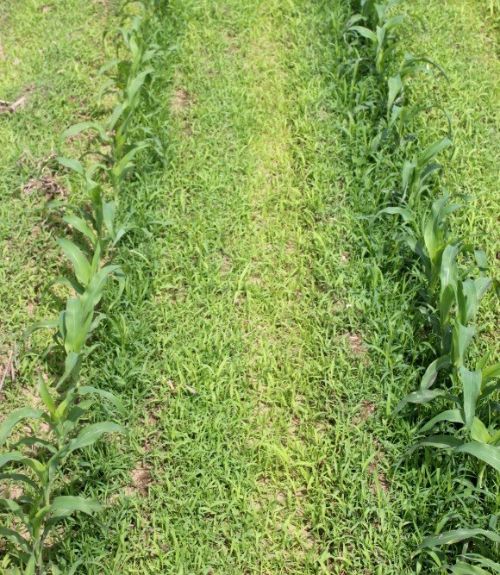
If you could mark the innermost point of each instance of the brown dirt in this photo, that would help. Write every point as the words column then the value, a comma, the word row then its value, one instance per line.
column 180, row 101
column 141, row 480
column 46, row 185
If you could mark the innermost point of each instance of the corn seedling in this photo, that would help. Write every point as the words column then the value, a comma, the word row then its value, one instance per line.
column 467, row 562
column 126, row 78
column 466, row 425
column 373, row 23
column 58, row 427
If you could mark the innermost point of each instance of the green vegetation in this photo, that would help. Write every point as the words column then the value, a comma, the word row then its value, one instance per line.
column 36, row 461
column 452, row 297
column 270, row 313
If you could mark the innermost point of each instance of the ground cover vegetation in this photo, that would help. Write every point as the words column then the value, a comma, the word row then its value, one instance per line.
column 284, row 325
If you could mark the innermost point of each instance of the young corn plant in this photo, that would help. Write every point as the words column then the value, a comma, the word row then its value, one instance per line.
column 416, row 175
column 373, row 24
column 41, row 438
column 399, row 115
column 457, row 302
column 428, row 238
column 35, row 461
column 126, row 79
column 467, row 425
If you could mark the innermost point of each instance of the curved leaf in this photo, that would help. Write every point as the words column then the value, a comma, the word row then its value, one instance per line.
column 72, row 164
column 421, row 396
column 84, row 126
column 92, row 433
column 405, row 213
column 89, row 390
column 14, row 537
column 457, row 535
column 462, row 568
column 432, row 371
column 65, row 505
column 365, row 32
column 490, row 454
column 450, row 415
column 433, row 150
column 81, row 225
column 16, row 417
column 81, row 265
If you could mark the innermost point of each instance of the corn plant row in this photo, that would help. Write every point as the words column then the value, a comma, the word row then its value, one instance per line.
column 455, row 274
column 35, row 453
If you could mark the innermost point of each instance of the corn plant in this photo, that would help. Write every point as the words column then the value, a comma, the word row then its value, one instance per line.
column 458, row 302
column 465, row 426
column 58, row 426
column 36, row 459
column 126, row 78
column 373, row 23
column 428, row 238
column 399, row 114
column 468, row 562
column 374, row 13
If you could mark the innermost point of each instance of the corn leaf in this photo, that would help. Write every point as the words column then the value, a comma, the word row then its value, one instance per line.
column 72, row 164
column 462, row 568
column 18, row 477
column 77, row 321
column 83, row 127
column 456, row 536
column 71, row 365
column 469, row 295
column 490, row 454
column 81, row 225
column 16, row 417
column 479, row 432
column 89, row 390
column 395, row 85
column 14, row 537
column 449, row 415
column 481, row 560
column 419, row 397
column 11, row 457
column 66, row 505
column 90, row 434
column 471, row 384
column 108, row 214
column 432, row 371
column 432, row 151
column 46, row 396
column 405, row 213
column 81, row 265
column 461, row 337
column 365, row 32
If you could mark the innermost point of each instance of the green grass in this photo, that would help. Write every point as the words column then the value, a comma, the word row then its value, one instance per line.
column 259, row 349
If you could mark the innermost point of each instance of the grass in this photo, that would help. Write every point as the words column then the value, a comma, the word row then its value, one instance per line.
column 259, row 351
